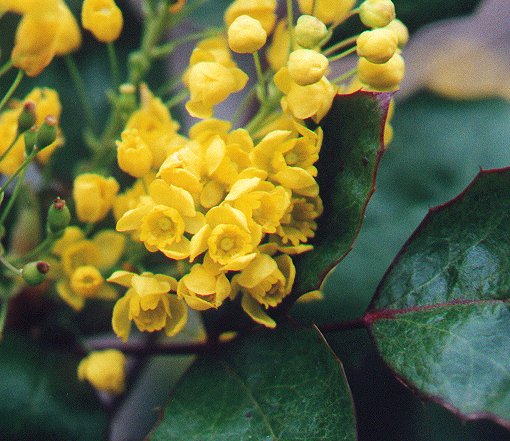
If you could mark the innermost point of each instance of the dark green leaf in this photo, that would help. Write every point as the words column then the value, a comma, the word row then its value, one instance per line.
column 270, row 386
column 42, row 398
column 347, row 167
column 441, row 317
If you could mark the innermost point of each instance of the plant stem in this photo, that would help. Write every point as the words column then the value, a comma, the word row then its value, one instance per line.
column 21, row 169
column 342, row 54
column 340, row 45
column 4, row 305
column 44, row 246
column 261, row 86
column 10, row 266
column 346, row 75
column 114, row 64
column 6, row 68
column 13, row 143
column 12, row 89
column 13, row 197
column 178, row 98
column 342, row 326
column 79, row 85
column 290, row 17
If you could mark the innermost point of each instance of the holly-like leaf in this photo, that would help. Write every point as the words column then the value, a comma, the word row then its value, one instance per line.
column 347, row 168
column 441, row 317
column 283, row 385
column 42, row 398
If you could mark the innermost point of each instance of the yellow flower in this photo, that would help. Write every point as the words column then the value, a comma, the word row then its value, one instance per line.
column 205, row 286
column 83, row 263
column 93, row 196
column 133, row 155
column 246, row 35
column 307, row 66
column 328, row 11
column 209, row 84
column 163, row 219
column 229, row 236
column 387, row 76
column 400, row 30
column 313, row 101
column 155, row 126
column 299, row 223
column 278, row 52
column 130, row 198
column 148, row 303
column 103, row 18
column 377, row 46
column 261, row 10
column 42, row 34
column 105, row 370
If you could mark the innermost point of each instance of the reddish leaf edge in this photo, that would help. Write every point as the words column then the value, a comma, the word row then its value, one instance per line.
column 371, row 315
column 384, row 99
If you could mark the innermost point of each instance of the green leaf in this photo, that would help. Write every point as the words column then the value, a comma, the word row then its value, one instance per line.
column 347, row 168
column 271, row 385
column 42, row 398
column 441, row 317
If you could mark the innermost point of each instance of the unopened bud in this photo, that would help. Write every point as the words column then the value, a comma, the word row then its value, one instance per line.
column 59, row 216
column 30, row 140
column 376, row 13
column 34, row 273
column 377, row 45
column 47, row 133
column 307, row 66
column 27, row 117
column 310, row 31
column 400, row 30
column 126, row 102
column 246, row 35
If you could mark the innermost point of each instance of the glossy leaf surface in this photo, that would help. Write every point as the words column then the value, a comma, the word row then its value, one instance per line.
column 441, row 317
column 279, row 386
column 41, row 398
column 347, row 168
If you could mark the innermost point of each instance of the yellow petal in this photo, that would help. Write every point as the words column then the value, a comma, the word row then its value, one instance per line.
column 120, row 318
column 258, row 270
column 172, row 196
column 146, row 285
column 199, row 242
column 132, row 219
column 177, row 321
column 240, row 263
column 69, row 296
column 122, row 278
column 255, row 311
column 178, row 250
column 111, row 246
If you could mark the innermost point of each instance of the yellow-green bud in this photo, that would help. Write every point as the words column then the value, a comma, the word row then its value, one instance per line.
column 377, row 46
column 126, row 103
column 400, row 30
column 59, row 216
column 27, row 117
column 386, row 76
column 246, row 35
column 34, row 273
column 376, row 13
column 307, row 66
column 30, row 140
column 47, row 133
column 310, row 31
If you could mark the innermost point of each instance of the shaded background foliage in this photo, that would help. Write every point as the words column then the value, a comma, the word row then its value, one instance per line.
column 440, row 144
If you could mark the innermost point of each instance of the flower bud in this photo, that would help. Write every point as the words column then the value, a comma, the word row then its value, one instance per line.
column 246, row 35
column 59, row 216
column 307, row 66
column 34, row 273
column 103, row 18
column 376, row 13
column 377, row 46
column 310, row 31
column 27, row 117
column 30, row 140
column 93, row 196
column 133, row 155
column 47, row 133
column 126, row 102
column 105, row 370
column 382, row 77
column 400, row 30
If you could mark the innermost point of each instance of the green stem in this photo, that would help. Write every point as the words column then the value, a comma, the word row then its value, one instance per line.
column 340, row 45
column 346, row 75
column 290, row 17
column 244, row 104
column 261, row 86
column 4, row 305
column 343, row 19
column 342, row 54
column 21, row 169
column 10, row 266
column 81, row 90
column 177, row 99
column 40, row 249
column 114, row 64
column 166, row 49
column 12, row 89
column 6, row 68
column 13, row 143
column 13, row 197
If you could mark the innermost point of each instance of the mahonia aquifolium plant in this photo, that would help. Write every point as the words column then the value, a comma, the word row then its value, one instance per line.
column 204, row 217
